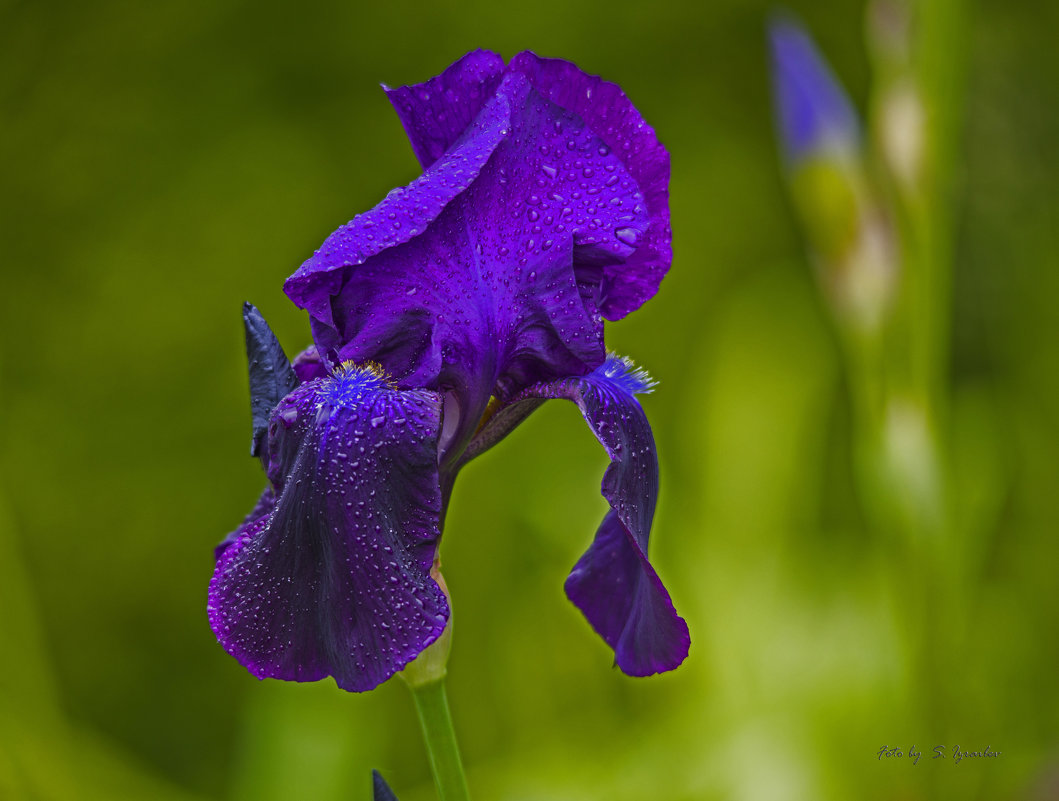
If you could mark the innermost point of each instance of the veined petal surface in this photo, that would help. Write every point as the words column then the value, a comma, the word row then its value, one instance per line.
column 333, row 578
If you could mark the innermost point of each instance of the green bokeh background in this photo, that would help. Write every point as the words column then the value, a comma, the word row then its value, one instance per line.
column 160, row 163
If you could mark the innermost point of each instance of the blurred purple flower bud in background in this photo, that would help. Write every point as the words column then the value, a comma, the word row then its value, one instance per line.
column 812, row 109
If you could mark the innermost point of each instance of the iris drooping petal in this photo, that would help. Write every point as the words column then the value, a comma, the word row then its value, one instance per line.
column 334, row 578
column 483, row 276
column 813, row 110
column 614, row 584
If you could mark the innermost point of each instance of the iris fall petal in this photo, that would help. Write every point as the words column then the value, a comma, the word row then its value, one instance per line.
column 614, row 584
column 334, row 579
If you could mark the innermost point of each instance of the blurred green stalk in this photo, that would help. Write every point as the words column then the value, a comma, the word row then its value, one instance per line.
column 899, row 371
column 917, row 58
column 880, row 224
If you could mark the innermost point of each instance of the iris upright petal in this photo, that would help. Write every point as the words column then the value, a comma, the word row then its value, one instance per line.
column 483, row 275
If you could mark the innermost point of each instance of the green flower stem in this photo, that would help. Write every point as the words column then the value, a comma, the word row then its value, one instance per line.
column 918, row 65
column 436, row 722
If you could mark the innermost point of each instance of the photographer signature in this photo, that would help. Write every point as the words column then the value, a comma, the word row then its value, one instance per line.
column 955, row 753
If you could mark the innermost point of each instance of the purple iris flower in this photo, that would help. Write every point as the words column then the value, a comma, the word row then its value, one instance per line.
column 442, row 318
